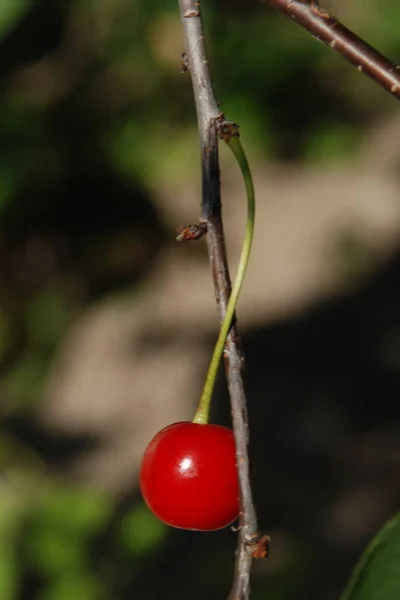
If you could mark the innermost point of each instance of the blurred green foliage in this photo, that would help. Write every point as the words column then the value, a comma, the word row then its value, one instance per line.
column 10, row 13
column 94, row 113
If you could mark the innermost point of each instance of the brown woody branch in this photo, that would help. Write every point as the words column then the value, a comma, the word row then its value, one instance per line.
column 331, row 32
column 210, row 120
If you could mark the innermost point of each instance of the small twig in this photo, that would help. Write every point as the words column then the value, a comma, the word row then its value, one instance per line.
column 331, row 32
column 210, row 124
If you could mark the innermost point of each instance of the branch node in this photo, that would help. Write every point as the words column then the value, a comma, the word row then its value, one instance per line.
column 321, row 12
column 226, row 129
column 191, row 232
column 184, row 62
column 191, row 13
column 259, row 545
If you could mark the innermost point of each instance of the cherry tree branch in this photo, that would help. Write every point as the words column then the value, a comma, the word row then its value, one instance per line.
column 331, row 32
column 210, row 121
column 327, row 29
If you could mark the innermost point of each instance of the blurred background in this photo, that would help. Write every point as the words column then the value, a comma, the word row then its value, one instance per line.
column 107, row 324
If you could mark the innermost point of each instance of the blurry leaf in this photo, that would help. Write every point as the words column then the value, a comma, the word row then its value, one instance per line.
column 327, row 143
column 12, row 512
column 53, row 552
column 152, row 153
column 141, row 532
column 257, row 130
column 57, row 544
column 79, row 512
column 47, row 318
column 377, row 575
column 76, row 587
column 22, row 383
column 10, row 12
column 9, row 575
column 381, row 27
column 6, row 185
column 6, row 327
column 23, row 466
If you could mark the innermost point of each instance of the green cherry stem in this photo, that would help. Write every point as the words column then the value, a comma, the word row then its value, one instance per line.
column 203, row 409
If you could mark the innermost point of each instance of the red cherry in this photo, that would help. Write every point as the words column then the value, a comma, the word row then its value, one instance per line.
column 189, row 476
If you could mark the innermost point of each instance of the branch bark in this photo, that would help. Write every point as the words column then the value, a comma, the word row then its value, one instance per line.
column 327, row 29
column 209, row 118
column 331, row 32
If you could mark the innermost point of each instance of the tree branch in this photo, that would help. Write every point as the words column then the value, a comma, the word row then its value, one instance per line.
column 209, row 121
column 331, row 32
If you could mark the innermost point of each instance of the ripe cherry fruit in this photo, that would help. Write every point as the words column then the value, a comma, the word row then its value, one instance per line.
column 189, row 476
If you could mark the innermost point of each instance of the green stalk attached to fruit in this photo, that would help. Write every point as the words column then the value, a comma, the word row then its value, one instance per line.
column 189, row 475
